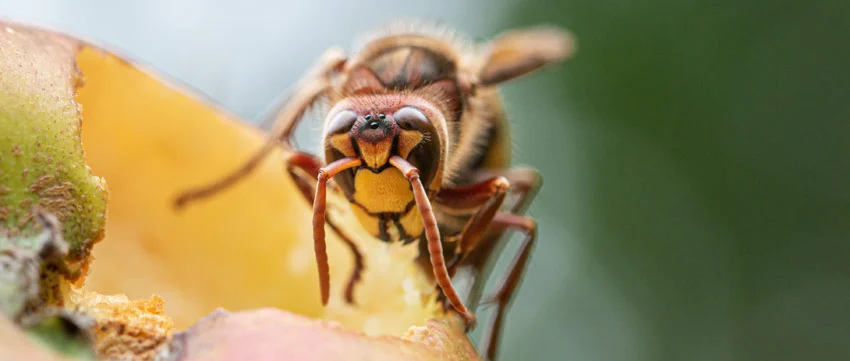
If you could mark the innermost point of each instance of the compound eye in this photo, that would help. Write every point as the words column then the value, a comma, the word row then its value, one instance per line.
column 342, row 122
column 410, row 118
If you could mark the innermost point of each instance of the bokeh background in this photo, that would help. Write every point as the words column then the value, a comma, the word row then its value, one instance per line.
column 695, row 153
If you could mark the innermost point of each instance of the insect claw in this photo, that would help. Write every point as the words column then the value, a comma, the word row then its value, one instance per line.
column 470, row 321
column 349, row 295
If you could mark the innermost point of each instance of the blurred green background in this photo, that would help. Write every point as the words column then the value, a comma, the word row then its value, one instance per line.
column 696, row 203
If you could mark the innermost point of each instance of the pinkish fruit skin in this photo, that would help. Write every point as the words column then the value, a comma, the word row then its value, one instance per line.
column 42, row 165
column 270, row 334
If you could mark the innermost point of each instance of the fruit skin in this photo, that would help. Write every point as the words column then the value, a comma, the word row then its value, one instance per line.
column 42, row 162
column 268, row 334
column 32, row 279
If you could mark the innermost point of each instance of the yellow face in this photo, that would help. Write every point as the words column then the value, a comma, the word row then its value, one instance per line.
column 380, row 195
